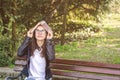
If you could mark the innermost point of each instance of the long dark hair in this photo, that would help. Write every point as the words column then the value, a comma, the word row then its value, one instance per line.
column 34, row 46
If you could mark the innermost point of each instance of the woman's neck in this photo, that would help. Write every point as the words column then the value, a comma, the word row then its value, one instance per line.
column 40, row 43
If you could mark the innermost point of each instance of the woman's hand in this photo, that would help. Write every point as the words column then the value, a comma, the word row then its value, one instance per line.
column 31, row 31
column 50, row 35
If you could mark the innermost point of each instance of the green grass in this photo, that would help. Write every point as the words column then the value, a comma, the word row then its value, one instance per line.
column 89, row 52
column 105, row 48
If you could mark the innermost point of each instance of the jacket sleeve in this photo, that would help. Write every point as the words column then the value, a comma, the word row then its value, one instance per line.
column 50, row 50
column 22, row 50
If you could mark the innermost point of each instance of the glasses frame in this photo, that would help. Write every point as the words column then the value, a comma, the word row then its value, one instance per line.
column 40, row 31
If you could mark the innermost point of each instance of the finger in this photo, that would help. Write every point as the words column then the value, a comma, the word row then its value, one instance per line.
column 36, row 25
column 50, row 36
column 31, row 31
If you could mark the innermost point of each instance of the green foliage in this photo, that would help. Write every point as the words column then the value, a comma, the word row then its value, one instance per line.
column 75, row 26
column 114, row 6
column 4, row 60
column 29, row 12
column 5, row 44
column 5, row 51
column 76, row 31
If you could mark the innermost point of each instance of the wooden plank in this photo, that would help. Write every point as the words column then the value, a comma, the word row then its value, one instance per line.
column 86, row 63
column 18, row 68
column 21, row 58
column 85, row 76
column 86, row 69
column 20, row 62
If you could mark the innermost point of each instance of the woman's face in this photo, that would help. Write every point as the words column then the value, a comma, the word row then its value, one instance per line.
column 40, row 33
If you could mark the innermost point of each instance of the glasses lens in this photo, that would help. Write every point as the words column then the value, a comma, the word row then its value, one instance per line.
column 41, row 31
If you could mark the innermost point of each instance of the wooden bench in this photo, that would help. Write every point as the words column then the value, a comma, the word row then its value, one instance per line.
column 85, row 70
column 75, row 69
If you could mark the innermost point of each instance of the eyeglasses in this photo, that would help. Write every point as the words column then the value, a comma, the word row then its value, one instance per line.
column 40, row 31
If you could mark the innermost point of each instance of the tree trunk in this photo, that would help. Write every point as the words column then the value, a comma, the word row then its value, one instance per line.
column 5, row 20
column 64, row 23
column 13, row 28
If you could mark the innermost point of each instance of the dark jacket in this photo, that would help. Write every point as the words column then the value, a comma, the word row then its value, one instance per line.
column 50, row 53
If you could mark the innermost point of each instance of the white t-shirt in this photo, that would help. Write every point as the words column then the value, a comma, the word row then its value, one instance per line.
column 37, row 66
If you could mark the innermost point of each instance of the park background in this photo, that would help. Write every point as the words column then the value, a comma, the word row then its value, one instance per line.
column 87, row 30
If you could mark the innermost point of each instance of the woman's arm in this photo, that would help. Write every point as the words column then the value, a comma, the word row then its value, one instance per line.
column 23, row 49
column 50, row 50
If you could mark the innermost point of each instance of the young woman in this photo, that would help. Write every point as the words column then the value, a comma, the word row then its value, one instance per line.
column 39, row 50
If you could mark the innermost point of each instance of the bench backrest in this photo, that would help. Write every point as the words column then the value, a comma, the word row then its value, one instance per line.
column 84, row 69
column 20, row 62
column 79, row 69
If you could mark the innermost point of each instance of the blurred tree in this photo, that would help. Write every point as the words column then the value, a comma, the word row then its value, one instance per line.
column 5, row 19
column 114, row 6
column 65, row 16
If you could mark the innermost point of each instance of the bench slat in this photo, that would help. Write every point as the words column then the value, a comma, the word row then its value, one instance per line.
column 86, row 69
column 85, row 76
column 20, row 62
column 18, row 68
column 21, row 58
column 85, row 63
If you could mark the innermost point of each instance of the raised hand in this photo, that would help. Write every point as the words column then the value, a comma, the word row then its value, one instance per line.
column 50, row 35
column 31, row 31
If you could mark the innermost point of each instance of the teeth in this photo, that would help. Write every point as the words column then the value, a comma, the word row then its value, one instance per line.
column 42, row 22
